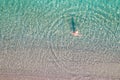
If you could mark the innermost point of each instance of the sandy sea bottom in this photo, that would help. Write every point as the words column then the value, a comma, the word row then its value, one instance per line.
column 51, row 64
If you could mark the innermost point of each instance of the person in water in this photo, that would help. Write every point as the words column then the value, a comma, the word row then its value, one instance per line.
column 74, row 31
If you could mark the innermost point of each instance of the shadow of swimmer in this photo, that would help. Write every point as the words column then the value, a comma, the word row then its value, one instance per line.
column 73, row 28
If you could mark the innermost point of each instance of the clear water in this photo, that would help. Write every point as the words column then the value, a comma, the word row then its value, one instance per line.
column 34, row 20
column 42, row 23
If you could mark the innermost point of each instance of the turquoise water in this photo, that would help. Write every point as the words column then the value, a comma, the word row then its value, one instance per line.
column 38, row 33
column 37, row 23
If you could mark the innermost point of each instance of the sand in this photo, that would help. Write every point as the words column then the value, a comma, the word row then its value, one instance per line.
column 51, row 64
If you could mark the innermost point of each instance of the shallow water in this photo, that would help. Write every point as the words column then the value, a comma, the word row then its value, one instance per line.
column 46, row 24
column 33, row 20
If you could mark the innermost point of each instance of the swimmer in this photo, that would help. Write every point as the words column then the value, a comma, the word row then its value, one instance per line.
column 74, row 31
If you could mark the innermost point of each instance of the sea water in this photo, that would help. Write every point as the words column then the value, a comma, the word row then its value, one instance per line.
column 47, row 24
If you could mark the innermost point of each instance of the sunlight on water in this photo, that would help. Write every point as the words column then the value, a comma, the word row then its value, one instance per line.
column 71, row 26
column 98, row 21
